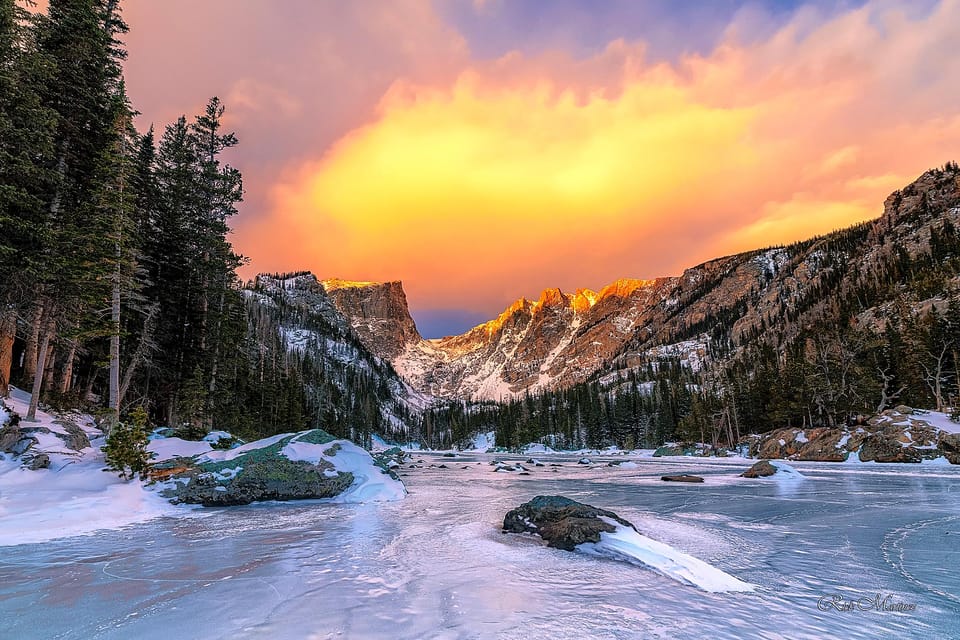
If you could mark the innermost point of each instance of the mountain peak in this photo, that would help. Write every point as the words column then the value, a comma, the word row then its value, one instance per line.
column 334, row 284
column 552, row 297
column 378, row 313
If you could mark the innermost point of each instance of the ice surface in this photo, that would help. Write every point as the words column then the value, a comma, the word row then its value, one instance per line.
column 435, row 564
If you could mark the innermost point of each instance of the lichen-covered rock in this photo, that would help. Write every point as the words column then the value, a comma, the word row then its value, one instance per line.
column 883, row 447
column 293, row 467
column 274, row 479
column 822, row 445
column 562, row 522
column 762, row 469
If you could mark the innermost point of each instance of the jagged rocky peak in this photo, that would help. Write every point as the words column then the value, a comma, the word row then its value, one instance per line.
column 378, row 313
column 623, row 287
column 934, row 190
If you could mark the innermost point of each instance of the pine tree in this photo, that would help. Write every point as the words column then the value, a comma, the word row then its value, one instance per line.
column 26, row 143
column 79, row 37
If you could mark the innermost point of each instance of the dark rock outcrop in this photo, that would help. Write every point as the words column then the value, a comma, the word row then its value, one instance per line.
column 14, row 441
column 761, row 469
column 39, row 461
column 75, row 438
column 683, row 477
column 562, row 522
column 882, row 447
column 950, row 445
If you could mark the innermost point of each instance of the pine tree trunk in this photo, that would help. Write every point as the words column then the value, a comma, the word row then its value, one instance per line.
column 51, row 364
column 8, row 333
column 216, row 358
column 39, row 370
column 114, row 387
column 146, row 339
column 31, row 354
column 66, row 377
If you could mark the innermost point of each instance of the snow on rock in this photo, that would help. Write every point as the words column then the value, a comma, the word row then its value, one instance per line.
column 625, row 543
column 939, row 420
column 370, row 483
column 785, row 472
column 73, row 496
column 167, row 448
column 260, row 459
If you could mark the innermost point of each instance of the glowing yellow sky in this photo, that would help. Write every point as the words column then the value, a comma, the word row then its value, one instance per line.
column 523, row 173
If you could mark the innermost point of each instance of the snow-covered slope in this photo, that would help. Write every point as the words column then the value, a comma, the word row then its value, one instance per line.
column 312, row 328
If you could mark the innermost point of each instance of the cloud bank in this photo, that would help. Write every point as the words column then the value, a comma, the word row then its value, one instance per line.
column 384, row 150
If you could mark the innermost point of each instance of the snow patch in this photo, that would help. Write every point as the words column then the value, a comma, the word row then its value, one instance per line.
column 167, row 448
column 785, row 472
column 625, row 543
column 370, row 483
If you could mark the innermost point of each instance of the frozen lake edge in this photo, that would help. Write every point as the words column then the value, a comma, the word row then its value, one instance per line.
column 436, row 565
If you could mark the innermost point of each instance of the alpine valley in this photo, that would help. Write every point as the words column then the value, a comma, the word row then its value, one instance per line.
column 821, row 333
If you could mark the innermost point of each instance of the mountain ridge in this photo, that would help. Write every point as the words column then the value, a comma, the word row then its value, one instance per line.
column 562, row 338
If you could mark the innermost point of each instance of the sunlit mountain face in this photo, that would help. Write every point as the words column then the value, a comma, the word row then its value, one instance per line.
column 482, row 151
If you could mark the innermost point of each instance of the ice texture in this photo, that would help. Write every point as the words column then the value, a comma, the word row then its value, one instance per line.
column 435, row 564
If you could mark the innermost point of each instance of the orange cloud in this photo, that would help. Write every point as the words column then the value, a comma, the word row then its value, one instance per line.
column 526, row 173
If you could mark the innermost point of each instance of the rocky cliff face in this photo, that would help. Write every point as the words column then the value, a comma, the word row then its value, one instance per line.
column 565, row 338
column 377, row 312
column 347, row 331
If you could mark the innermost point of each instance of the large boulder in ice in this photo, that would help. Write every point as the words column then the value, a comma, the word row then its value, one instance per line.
column 292, row 466
column 762, row 469
column 562, row 522
column 574, row 526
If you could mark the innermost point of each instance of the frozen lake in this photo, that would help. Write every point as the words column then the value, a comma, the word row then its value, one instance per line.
column 435, row 565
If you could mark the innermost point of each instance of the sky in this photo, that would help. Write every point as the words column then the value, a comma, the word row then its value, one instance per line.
column 484, row 150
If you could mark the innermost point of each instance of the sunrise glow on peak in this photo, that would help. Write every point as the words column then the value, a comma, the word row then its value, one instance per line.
column 475, row 165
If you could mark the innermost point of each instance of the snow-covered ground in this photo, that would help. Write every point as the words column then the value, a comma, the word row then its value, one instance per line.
column 74, row 496
column 435, row 564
